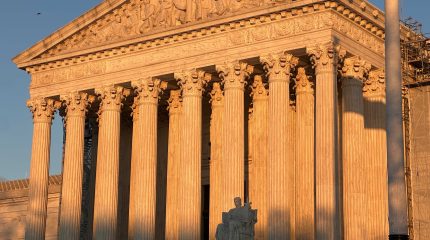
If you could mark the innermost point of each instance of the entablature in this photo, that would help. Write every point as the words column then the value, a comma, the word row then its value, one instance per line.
column 75, row 48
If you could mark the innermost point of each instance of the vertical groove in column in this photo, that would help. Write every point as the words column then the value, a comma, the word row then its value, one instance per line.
column 233, row 150
column 71, row 194
column 356, row 224
column 259, row 156
column 133, row 171
column 144, row 159
column 325, row 59
column 106, row 197
column 376, row 154
column 192, row 83
column 173, row 164
column 280, row 201
column 43, row 111
column 216, row 181
column 233, row 76
column 305, row 200
column 292, row 151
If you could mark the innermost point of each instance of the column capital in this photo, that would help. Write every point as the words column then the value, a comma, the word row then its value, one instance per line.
column 258, row 89
column 234, row 74
column 279, row 65
column 175, row 102
column 217, row 96
column 147, row 90
column 192, row 82
column 303, row 84
column 325, row 55
column 43, row 109
column 76, row 103
column 111, row 97
column 355, row 68
column 375, row 84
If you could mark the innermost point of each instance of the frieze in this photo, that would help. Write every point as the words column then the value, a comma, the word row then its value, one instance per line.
column 259, row 31
column 137, row 18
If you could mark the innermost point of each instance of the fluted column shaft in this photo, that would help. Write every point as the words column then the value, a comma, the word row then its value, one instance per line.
column 133, row 171
column 43, row 112
column 305, row 170
column 280, row 203
column 258, row 185
column 376, row 154
column 354, row 197
column 233, row 75
column 144, row 159
column 192, row 83
column 216, row 182
column 71, row 194
column 173, row 195
column 325, row 58
column 106, row 193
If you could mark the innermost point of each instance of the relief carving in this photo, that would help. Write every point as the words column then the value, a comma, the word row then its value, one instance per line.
column 325, row 57
column 175, row 102
column 355, row 68
column 138, row 17
column 76, row 104
column 234, row 74
column 147, row 90
column 43, row 109
column 278, row 66
column 192, row 82
column 217, row 96
column 258, row 89
column 303, row 83
column 375, row 84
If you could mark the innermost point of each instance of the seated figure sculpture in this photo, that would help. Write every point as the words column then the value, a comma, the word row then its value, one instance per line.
column 238, row 223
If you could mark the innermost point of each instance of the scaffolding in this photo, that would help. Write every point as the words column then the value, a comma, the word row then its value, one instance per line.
column 415, row 50
column 415, row 54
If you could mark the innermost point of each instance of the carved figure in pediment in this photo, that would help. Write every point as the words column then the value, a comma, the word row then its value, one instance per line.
column 164, row 13
column 179, row 11
column 218, row 8
column 147, row 16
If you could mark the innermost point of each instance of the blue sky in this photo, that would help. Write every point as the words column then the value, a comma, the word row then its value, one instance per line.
column 21, row 27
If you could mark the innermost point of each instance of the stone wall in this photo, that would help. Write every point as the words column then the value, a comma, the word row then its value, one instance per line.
column 13, row 208
column 420, row 161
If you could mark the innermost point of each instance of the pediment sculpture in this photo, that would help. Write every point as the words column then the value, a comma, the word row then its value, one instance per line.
column 238, row 223
column 138, row 17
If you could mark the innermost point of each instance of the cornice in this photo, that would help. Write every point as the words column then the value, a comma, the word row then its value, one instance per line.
column 368, row 17
column 74, row 26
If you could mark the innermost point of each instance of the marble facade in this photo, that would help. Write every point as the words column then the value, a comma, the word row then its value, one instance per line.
column 261, row 100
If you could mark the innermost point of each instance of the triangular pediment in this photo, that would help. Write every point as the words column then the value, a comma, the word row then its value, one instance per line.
column 120, row 20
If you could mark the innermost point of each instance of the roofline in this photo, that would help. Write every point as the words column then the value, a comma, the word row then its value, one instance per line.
column 68, row 30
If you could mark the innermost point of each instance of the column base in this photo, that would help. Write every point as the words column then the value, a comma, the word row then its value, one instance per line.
column 398, row 237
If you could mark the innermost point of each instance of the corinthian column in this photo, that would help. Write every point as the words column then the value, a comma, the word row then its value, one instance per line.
column 133, row 171
column 173, row 196
column 106, row 193
column 278, row 67
column 325, row 59
column 43, row 112
column 71, row 194
column 192, row 84
column 258, row 185
column 354, row 197
column 305, row 171
column 233, row 75
column 144, row 159
column 216, row 181
column 376, row 154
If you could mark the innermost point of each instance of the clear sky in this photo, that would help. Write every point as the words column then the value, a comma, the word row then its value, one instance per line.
column 21, row 26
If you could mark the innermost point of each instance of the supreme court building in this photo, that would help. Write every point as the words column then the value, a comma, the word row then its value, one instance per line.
column 174, row 107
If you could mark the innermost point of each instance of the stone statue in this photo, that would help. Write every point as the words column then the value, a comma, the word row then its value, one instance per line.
column 238, row 223
column 147, row 16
